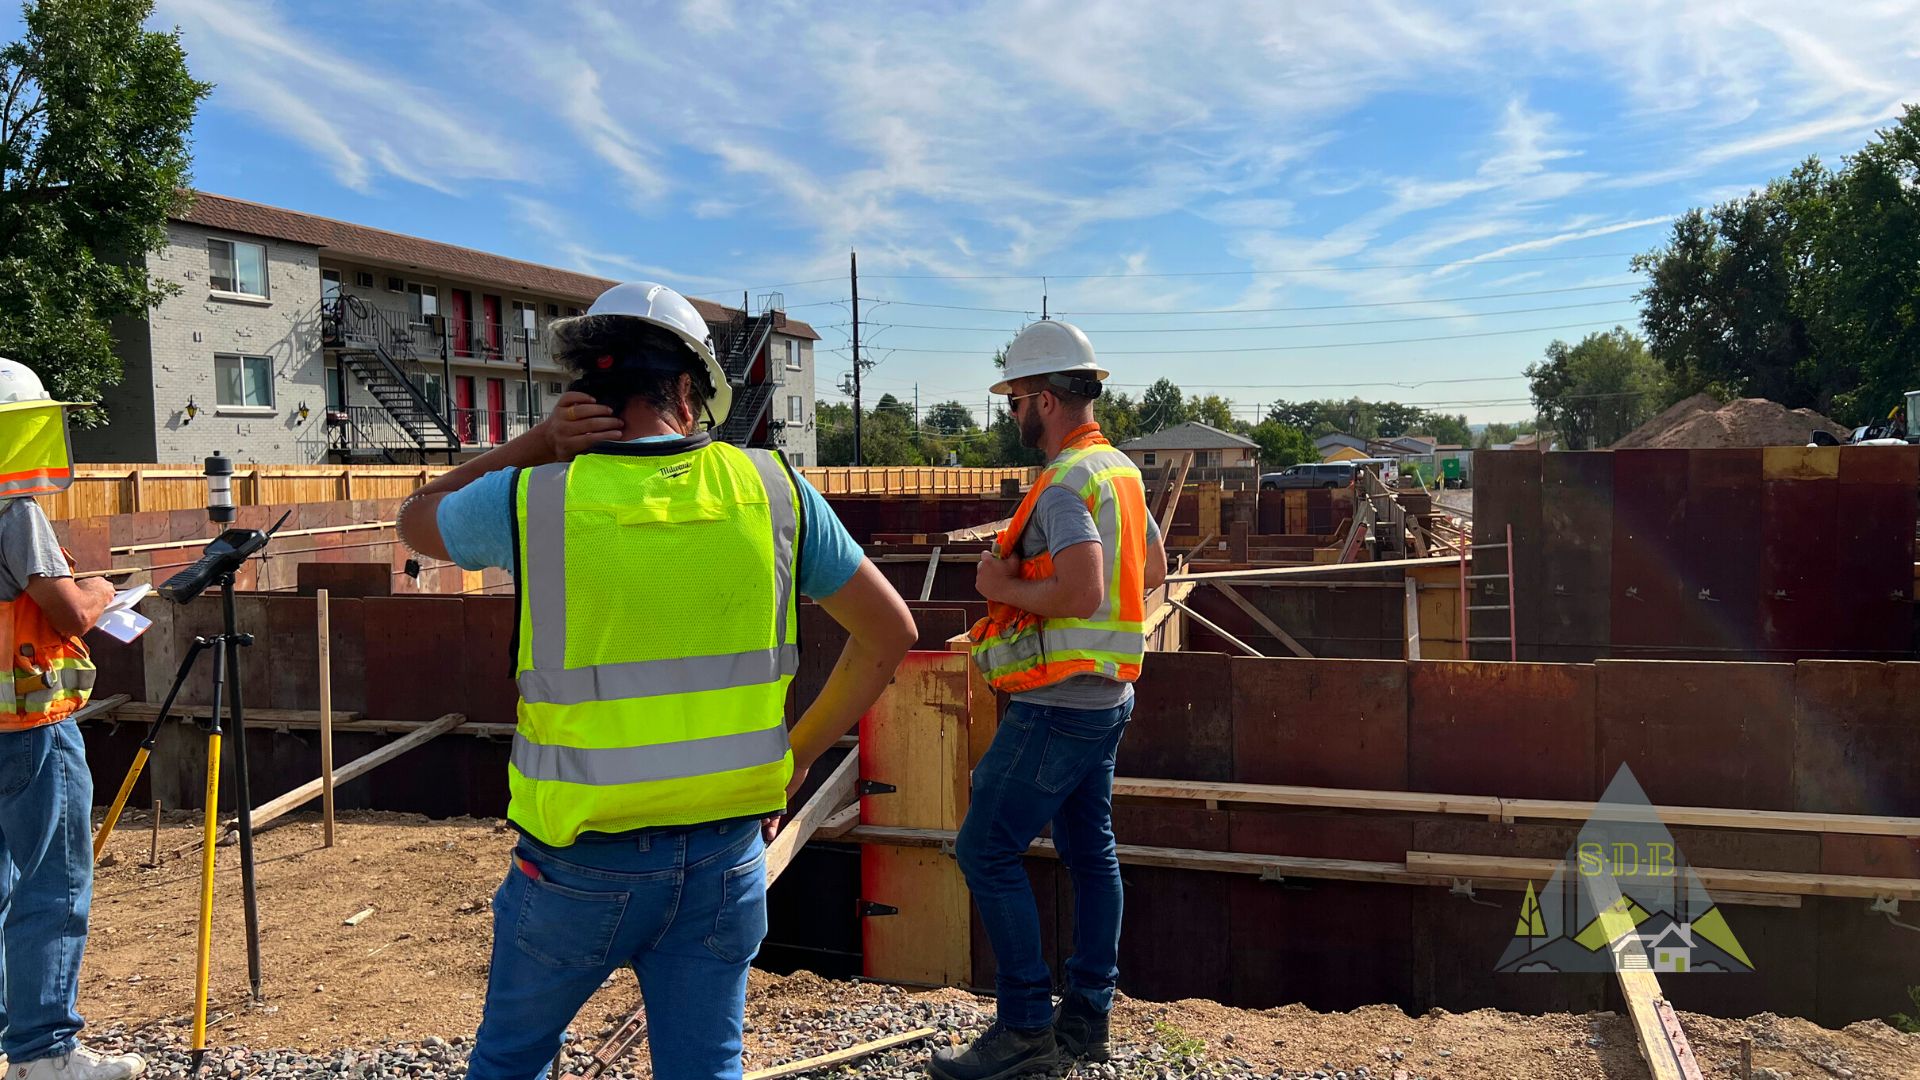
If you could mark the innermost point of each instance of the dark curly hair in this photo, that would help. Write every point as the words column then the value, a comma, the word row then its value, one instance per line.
column 647, row 362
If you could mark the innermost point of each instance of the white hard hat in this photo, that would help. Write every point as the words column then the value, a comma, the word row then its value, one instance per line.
column 20, row 388
column 1049, row 347
column 661, row 306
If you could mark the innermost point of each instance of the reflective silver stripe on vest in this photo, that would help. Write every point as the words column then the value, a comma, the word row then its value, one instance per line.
column 549, row 681
column 29, row 483
column 1069, row 639
column 781, row 498
column 652, row 678
column 546, row 557
column 640, row 764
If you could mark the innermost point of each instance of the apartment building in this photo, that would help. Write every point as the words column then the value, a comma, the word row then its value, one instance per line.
column 299, row 339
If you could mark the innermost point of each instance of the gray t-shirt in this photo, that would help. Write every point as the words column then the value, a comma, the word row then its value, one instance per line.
column 1059, row 521
column 28, row 547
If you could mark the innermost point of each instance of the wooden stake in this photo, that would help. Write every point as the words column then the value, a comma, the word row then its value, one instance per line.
column 840, row 1057
column 153, row 846
column 1413, row 619
column 1173, row 495
column 1209, row 624
column 326, row 719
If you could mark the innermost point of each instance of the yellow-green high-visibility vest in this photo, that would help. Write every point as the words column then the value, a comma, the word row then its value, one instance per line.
column 657, row 636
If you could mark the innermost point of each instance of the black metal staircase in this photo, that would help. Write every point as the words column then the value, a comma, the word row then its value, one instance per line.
column 740, row 345
column 373, row 349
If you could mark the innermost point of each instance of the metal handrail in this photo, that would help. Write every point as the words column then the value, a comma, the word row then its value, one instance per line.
column 356, row 322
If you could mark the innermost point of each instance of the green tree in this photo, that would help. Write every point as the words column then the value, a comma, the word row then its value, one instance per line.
column 1212, row 410
column 1449, row 430
column 833, row 432
column 1282, row 445
column 1118, row 416
column 1802, row 292
column 1501, row 434
column 1596, row 391
column 1162, row 406
column 950, row 418
column 93, row 157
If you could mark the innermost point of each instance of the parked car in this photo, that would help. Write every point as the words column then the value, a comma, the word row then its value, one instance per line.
column 1336, row 475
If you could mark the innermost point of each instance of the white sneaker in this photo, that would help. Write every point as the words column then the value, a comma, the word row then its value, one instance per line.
column 81, row 1064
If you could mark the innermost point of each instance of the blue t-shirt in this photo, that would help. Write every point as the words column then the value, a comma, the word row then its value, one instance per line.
column 476, row 525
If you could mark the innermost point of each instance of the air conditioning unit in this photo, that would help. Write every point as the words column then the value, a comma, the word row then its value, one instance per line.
column 363, row 279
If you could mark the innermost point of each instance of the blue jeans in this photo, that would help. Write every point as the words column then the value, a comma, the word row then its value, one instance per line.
column 1047, row 764
column 686, row 908
column 46, row 887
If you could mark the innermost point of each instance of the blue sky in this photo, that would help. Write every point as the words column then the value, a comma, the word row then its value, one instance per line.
column 1455, row 184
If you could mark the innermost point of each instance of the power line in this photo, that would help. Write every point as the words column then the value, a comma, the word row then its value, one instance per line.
column 1279, row 326
column 1238, row 273
column 1294, row 348
column 1261, row 310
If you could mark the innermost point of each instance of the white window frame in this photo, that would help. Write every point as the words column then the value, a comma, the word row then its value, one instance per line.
column 799, row 459
column 417, row 294
column 233, row 260
column 796, row 409
column 793, row 355
column 242, row 407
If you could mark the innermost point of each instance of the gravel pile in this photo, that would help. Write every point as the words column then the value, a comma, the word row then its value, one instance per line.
column 797, row 1034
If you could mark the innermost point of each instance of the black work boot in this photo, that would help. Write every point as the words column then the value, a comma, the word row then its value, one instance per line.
column 1000, row 1052
column 1080, row 1028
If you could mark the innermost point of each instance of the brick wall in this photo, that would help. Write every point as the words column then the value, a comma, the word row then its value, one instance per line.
column 188, row 329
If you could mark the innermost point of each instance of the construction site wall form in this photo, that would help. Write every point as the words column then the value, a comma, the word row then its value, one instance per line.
column 1779, row 553
column 1817, row 735
column 99, row 491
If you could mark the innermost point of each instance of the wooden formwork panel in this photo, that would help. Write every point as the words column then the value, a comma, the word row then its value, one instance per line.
column 488, row 693
column 1326, row 944
column 1457, row 944
column 1323, row 723
column 407, row 637
column 1720, row 563
column 1439, row 612
column 1697, row 733
column 1649, row 520
column 1575, row 552
column 1864, row 964
column 1182, row 726
column 915, row 738
column 1856, row 743
column 1516, row 730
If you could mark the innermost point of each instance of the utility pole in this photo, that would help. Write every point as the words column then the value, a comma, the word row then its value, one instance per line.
column 1043, row 299
column 853, row 277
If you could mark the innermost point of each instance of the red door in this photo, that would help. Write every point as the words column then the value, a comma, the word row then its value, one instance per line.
column 463, row 331
column 496, row 410
column 492, row 304
column 463, row 406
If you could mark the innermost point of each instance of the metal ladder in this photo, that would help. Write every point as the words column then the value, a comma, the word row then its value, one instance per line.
column 1513, row 634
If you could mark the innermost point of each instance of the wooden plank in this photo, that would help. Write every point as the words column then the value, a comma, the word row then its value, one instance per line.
column 359, row 766
column 1209, row 520
column 933, row 567
column 841, row 1057
column 1413, row 619
column 147, row 710
column 931, row 842
column 842, row 821
column 1323, row 568
column 1215, row 629
column 1414, row 802
column 1173, row 494
column 1265, row 623
column 1663, row 1046
column 1712, row 878
column 827, row 799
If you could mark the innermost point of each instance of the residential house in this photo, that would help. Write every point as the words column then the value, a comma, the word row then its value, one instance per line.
column 1211, row 447
column 297, row 339
column 1340, row 446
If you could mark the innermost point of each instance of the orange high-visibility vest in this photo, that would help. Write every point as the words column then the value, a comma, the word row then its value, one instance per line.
column 1017, row 650
column 51, row 674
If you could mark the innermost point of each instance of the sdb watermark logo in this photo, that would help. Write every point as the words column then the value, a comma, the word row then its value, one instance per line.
column 1623, row 898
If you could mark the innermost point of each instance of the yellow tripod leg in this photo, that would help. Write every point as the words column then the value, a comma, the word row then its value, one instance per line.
column 211, row 834
column 119, row 803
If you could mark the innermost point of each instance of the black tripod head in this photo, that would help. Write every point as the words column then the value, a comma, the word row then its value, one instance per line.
column 221, row 558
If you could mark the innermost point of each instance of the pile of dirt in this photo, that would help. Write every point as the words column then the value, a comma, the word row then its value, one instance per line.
column 1701, row 422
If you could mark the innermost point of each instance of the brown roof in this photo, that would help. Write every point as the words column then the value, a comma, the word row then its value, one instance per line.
column 347, row 240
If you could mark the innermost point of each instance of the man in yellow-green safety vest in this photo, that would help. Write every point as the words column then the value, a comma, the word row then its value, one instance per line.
column 658, row 573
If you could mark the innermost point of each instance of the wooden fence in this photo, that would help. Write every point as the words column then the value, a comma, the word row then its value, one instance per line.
column 131, row 489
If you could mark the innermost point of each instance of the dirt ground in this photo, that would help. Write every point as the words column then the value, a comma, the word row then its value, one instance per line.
column 417, row 967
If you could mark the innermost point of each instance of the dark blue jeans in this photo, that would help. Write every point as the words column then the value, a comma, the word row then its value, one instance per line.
column 46, row 887
column 1047, row 764
column 686, row 908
